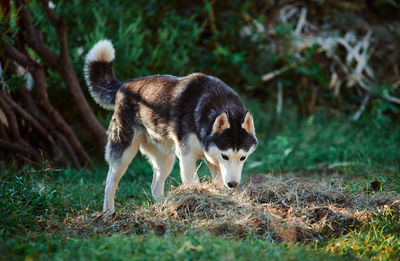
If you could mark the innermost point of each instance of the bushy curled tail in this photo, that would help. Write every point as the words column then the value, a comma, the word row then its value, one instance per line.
column 99, row 75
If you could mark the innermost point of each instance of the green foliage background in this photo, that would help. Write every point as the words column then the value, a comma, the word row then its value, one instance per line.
column 157, row 37
column 180, row 37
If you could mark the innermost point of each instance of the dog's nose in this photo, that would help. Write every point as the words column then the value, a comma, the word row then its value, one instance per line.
column 232, row 184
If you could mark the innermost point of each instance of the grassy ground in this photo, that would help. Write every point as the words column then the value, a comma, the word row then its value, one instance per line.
column 318, row 146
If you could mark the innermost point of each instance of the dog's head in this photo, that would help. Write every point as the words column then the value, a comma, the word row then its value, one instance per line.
column 231, row 141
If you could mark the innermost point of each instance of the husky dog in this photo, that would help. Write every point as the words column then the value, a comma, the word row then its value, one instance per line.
column 193, row 117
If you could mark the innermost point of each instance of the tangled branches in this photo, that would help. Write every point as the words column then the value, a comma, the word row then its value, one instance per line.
column 30, row 127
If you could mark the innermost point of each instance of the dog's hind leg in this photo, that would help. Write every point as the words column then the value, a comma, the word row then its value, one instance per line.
column 122, row 146
column 162, row 165
column 117, row 167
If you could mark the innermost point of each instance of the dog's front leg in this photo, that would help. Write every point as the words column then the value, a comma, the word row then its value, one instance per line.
column 215, row 173
column 162, row 165
column 187, row 165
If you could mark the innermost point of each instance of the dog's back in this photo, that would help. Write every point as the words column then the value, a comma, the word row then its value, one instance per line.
column 163, row 105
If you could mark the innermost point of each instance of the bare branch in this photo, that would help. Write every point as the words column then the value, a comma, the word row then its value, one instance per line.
column 63, row 67
column 279, row 103
column 301, row 22
column 17, row 148
column 61, row 27
column 34, row 37
column 273, row 74
column 364, row 102
column 392, row 99
column 52, row 17
column 12, row 120
column 28, row 117
column 40, row 82
column 385, row 97
column 70, row 150
column 3, row 132
column 14, row 54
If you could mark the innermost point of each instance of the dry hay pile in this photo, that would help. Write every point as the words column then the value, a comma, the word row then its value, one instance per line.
column 276, row 208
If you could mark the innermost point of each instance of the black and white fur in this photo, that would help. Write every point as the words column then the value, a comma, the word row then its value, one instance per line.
column 193, row 117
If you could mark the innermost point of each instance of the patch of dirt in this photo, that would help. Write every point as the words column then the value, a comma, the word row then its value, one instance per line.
column 279, row 209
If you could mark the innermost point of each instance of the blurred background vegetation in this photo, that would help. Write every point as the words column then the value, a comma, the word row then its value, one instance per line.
column 289, row 59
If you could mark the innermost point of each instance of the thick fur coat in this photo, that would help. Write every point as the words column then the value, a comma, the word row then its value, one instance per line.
column 193, row 117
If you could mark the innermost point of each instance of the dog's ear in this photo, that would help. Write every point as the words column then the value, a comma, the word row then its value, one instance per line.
column 248, row 123
column 221, row 123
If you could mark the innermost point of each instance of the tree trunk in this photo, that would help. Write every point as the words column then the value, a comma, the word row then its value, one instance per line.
column 69, row 76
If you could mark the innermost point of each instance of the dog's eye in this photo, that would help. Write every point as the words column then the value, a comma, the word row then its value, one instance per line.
column 225, row 157
column 242, row 158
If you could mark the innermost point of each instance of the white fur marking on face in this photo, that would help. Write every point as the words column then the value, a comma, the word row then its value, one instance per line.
column 231, row 169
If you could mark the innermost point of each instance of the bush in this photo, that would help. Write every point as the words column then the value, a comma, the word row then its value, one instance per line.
column 160, row 37
column 236, row 41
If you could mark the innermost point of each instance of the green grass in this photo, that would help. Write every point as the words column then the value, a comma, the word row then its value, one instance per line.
column 292, row 141
column 310, row 146
column 379, row 238
column 26, row 203
column 152, row 247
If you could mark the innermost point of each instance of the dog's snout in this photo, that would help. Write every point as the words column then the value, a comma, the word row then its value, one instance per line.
column 232, row 184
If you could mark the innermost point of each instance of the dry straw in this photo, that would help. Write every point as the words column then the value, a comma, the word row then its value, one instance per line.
column 275, row 208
